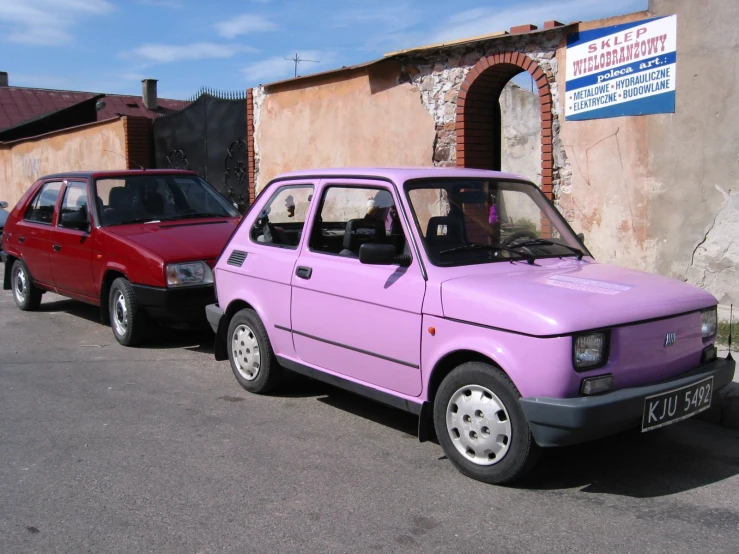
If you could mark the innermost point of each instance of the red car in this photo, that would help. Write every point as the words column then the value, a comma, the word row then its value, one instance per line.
column 142, row 250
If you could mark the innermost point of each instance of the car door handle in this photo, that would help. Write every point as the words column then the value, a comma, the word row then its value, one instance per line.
column 304, row 272
column 21, row 239
column 56, row 248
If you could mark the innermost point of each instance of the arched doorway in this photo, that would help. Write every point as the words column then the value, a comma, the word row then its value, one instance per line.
column 478, row 120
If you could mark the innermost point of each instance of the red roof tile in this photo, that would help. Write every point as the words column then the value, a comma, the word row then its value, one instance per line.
column 19, row 104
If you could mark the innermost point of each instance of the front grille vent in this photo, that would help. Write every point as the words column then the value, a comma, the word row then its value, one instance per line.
column 236, row 258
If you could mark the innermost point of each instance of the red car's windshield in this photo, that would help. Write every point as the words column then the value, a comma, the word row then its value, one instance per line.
column 141, row 198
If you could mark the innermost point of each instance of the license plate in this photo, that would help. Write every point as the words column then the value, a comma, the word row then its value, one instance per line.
column 675, row 405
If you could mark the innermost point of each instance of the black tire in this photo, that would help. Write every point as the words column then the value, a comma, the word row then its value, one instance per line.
column 519, row 451
column 126, row 320
column 252, row 359
column 26, row 295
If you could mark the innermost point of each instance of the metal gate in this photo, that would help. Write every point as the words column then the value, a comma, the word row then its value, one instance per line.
column 208, row 137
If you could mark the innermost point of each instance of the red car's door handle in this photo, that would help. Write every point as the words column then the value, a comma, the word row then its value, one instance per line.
column 21, row 239
column 57, row 248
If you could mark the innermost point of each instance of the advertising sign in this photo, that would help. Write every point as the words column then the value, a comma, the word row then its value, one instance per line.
column 627, row 69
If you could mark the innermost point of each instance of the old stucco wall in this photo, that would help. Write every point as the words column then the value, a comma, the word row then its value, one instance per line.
column 364, row 119
column 521, row 132
column 659, row 192
column 79, row 149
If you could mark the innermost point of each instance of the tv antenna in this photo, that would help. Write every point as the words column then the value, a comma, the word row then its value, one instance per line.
column 122, row 156
column 297, row 59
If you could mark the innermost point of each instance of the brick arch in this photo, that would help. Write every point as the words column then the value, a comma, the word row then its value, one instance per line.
column 478, row 113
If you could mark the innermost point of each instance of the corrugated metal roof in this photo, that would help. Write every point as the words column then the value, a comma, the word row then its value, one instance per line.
column 19, row 104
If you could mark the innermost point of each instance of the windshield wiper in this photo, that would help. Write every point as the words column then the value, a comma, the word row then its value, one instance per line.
column 478, row 246
column 138, row 220
column 190, row 216
column 545, row 242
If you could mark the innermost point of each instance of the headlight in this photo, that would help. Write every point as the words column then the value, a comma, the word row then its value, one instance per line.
column 708, row 322
column 190, row 273
column 590, row 351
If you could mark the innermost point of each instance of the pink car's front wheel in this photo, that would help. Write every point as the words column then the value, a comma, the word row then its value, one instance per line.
column 481, row 425
column 252, row 360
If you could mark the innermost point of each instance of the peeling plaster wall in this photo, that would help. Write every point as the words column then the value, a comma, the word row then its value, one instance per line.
column 696, row 151
column 659, row 192
column 83, row 148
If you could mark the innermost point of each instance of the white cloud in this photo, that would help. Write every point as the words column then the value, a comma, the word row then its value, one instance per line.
column 278, row 67
column 482, row 21
column 243, row 24
column 167, row 53
column 47, row 22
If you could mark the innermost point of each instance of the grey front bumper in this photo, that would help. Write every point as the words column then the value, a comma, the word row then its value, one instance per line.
column 564, row 421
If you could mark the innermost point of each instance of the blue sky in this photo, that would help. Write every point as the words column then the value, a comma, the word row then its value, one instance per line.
column 110, row 45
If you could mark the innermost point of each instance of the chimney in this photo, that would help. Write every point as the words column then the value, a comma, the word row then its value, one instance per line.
column 3, row 79
column 149, row 93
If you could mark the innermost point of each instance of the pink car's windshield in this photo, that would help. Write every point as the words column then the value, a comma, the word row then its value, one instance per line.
column 471, row 221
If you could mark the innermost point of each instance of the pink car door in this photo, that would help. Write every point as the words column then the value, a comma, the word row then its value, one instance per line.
column 358, row 320
column 266, row 255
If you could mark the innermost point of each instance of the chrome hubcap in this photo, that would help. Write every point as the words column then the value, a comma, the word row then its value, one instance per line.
column 120, row 311
column 20, row 287
column 478, row 425
column 245, row 351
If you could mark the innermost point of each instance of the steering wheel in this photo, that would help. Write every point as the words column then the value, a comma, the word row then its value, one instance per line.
column 508, row 241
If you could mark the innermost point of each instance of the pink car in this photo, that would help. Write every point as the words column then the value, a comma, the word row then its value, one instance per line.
column 462, row 296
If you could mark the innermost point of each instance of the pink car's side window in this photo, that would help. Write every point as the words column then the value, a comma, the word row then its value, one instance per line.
column 282, row 220
column 351, row 216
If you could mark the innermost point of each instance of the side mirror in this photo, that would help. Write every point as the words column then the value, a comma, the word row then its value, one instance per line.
column 377, row 254
column 75, row 220
column 3, row 205
column 581, row 236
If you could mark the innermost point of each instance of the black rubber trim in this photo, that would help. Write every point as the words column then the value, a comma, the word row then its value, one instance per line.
column 351, row 386
column 582, row 332
column 332, row 343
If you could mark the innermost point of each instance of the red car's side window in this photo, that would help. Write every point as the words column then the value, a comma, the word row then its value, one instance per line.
column 41, row 208
column 74, row 210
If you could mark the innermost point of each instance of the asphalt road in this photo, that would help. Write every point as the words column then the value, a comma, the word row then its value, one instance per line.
column 157, row 449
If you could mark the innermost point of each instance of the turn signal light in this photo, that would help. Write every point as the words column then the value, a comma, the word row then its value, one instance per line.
column 709, row 354
column 596, row 385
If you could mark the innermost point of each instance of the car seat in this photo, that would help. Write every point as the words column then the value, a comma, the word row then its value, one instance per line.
column 454, row 233
column 120, row 205
column 360, row 231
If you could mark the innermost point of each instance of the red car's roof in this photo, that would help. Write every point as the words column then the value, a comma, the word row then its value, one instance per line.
column 118, row 173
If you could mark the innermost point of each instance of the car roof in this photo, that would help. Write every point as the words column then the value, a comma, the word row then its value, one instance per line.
column 399, row 174
column 96, row 174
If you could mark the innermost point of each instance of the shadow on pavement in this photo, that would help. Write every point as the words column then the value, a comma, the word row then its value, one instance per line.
column 158, row 337
column 72, row 307
column 684, row 456
column 373, row 411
